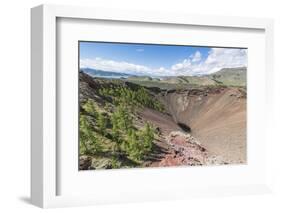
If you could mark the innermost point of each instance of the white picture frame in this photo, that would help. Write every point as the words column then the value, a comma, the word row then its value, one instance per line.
column 44, row 154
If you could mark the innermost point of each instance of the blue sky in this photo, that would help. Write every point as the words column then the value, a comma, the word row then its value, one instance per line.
column 159, row 60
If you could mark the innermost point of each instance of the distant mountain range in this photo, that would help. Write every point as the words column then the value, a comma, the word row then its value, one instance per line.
column 105, row 74
column 225, row 76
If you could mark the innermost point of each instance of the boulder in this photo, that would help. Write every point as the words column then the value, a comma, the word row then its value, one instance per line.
column 85, row 162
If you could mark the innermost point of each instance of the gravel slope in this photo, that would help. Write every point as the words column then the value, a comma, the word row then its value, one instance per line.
column 217, row 118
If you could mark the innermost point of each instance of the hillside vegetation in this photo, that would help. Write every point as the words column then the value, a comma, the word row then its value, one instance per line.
column 109, row 129
column 151, row 122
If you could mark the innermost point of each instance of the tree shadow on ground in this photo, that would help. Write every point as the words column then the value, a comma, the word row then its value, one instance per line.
column 157, row 153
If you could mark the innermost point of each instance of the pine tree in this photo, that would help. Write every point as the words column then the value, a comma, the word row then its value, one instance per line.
column 101, row 123
column 115, row 128
column 116, row 135
column 90, row 108
column 124, row 119
column 87, row 137
column 147, row 137
column 133, row 146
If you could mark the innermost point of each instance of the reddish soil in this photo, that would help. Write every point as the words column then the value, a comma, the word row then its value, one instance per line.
column 217, row 119
column 218, row 127
column 181, row 148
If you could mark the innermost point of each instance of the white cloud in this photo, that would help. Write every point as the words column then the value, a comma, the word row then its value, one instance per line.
column 115, row 66
column 217, row 59
column 196, row 57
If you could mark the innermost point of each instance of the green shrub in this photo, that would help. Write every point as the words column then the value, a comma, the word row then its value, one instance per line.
column 90, row 108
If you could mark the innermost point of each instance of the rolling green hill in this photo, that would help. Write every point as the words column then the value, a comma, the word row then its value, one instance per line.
column 231, row 76
column 224, row 77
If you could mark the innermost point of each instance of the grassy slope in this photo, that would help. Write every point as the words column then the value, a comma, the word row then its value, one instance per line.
column 231, row 76
column 224, row 77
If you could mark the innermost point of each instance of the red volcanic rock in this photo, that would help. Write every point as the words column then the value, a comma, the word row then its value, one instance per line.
column 187, row 151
